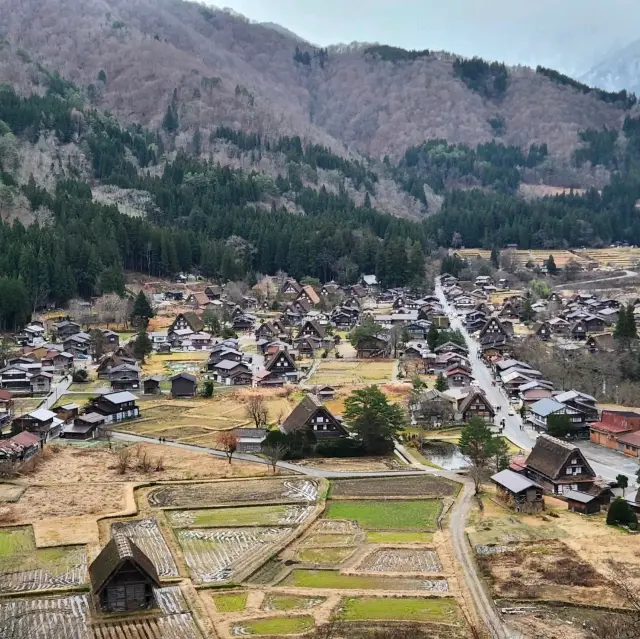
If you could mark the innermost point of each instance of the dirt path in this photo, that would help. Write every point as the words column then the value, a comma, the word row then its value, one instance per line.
column 483, row 603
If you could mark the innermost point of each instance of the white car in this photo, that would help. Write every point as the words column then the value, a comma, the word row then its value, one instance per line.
column 475, row 383
column 511, row 410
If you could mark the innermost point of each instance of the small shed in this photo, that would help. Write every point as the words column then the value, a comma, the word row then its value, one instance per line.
column 84, row 427
column 67, row 412
column 250, row 439
column 522, row 494
column 326, row 393
column 123, row 578
column 583, row 503
column 151, row 385
column 183, row 385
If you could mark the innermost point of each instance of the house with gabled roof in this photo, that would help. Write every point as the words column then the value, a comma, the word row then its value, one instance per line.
column 290, row 287
column 309, row 294
column 312, row 329
column 187, row 320
column 476, row 404
column 123, row 578
column 115, row 407
column 312, row 414
column 540, row 411
column 558, row 466
column 282, row 364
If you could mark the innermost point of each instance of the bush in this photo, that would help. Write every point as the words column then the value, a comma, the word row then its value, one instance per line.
column 80, row 376
column 620, row 513
column 341, row 448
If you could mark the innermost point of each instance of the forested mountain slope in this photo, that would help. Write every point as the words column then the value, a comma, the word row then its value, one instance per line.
column 377, row 101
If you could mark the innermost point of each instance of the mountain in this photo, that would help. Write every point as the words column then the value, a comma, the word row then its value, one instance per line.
column 224, row 70
column 617, row 71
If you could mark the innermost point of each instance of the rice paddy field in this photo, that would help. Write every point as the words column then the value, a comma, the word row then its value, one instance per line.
column 265, row 557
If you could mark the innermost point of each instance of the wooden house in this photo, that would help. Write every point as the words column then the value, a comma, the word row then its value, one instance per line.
column 290, row 287
column 20, row 447
column 233, row 373
column 123, row 578
column 267, row 330
column 476, row 404
column 41, row 422
column 518, row 492
column 111, row 339
column 87, row 426
column 325, row 393
column 543, row 331
column 213, row 292
column 583, row 503
column 125, row 377
column 373, row 346
column 197, row 300
column 249, row 440
column 602, row 343
column 65, row 329
column 67, row 412
column 312, row 414
column 312, row 329
column 282, row 364
column 458, row 376
column 151, row 385
column 309, row 294
column 183, row 385
column 558, row 466
column 184, row 321
column 115, row 407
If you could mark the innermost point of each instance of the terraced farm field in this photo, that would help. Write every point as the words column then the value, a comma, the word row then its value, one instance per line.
column 68, row 617
column 332, row 579
column 216, row 555
column 281, row 515
column 251, row 491
column 424, row 486
column 386, row 515
column 402, row 560
column 23, row 567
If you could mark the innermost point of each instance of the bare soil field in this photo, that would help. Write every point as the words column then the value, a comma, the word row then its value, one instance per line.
column 401, row 560
column 424, row 486
column 355, row 465
column 81, row 465
column 251, row 491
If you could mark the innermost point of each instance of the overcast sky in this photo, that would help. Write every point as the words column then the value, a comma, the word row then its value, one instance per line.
column 568, row 34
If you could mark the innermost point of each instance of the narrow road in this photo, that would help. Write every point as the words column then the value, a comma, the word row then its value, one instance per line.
column 604, row 280
column 58, row 389
column 522, row 436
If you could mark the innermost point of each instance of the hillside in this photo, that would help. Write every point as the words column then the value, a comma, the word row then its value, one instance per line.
column 228, row 71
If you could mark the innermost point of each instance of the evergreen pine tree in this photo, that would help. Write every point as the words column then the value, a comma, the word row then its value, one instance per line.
column 632, row 329
column 552, row 269
column 441, row 383
column 432, row 337
column 142, row 345
column 142, row 311
column 495, row 257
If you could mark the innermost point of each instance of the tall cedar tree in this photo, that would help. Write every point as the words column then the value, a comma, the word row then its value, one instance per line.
column 142, row 311
column 142, row 345
column 373, row 420
column 432, row 337
column 552, row 269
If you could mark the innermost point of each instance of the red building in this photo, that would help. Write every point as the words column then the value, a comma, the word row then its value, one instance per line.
column 612, row 426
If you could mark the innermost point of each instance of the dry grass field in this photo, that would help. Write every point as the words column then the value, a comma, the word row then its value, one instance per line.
column 352, row 372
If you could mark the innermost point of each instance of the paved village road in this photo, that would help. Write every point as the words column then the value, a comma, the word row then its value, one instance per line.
column 604, row 464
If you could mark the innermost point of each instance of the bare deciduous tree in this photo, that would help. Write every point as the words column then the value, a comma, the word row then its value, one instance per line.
column 274, row 453
column 123, row 460
column 257, row 411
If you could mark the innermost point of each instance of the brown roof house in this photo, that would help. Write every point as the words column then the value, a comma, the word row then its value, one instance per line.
column 309, row 294
column 312, row 414
column 558, row 467
column 183, row 385
column 123, row 578
column 186, row 320
column 476, row 404
column 282, row 364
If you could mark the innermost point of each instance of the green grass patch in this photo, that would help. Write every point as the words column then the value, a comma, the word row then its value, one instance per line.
column 77, row 398
column 388, row 515
column 334, row 580
column 327, row 556
column 290, row 602
column 249, row 516
column 399, row 609
column 279, row 626
column 399, row 537
column 230, row 601
column 15, row 541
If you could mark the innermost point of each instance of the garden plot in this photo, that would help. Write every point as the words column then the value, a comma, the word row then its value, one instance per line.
column 275, row 626
column 402, row 560
column 24, row 568
column 216, row 555
column 334, row 580
column 146, row 534
column 331, row 539
column 329, row 556
column 264, row 490
column 439, row 610
column 69, row 616
column 282, row 515
column 423, row 486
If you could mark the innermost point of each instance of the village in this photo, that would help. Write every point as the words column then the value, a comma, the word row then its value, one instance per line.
column 236, row 467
